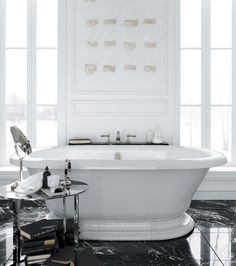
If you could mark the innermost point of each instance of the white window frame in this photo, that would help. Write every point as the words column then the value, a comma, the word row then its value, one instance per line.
column 234, row 85
column 2, row 79
column 31, row 74
column 206, row 77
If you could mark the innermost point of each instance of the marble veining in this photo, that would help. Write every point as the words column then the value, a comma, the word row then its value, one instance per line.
column 209, row 214
column 212, row 242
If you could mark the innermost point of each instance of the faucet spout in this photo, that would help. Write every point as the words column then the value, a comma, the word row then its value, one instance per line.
column 118, row 138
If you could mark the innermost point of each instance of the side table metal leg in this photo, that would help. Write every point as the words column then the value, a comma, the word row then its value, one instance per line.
column 76, row 227
column 64, row 221
column 16, row 232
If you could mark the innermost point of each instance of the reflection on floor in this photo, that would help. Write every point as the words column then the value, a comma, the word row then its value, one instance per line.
column 213, row 241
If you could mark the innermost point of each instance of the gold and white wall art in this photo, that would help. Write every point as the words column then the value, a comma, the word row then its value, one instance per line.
column 121, row 45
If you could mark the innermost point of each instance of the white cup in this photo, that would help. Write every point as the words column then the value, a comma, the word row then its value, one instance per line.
column 53, row 182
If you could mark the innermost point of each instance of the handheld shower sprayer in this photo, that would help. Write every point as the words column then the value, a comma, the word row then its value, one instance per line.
column 67, row 173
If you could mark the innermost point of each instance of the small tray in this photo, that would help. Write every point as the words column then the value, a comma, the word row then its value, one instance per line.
column 49, row 193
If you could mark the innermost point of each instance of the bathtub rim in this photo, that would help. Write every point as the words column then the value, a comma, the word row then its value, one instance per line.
column 213, row 159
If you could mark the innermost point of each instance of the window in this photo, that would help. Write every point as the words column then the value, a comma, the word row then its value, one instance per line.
column 28, row 71
column 206, row 56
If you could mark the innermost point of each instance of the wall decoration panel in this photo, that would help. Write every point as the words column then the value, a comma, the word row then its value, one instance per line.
column 118, row 59
column 156, row 108
column 114, row 34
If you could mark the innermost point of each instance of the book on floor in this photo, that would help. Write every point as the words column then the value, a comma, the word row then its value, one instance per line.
column 66, row 257
column 39, row 249
column 45, row 241
column 36, row 261
column 39, row 256
column 38, row 229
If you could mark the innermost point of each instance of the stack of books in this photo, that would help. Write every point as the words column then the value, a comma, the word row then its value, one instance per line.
column 64, row 256
column 79, row 141
column 39, row 241
column 69, row 237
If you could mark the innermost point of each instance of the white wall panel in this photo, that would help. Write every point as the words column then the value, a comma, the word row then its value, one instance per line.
column 120, row 107
column 129, row 101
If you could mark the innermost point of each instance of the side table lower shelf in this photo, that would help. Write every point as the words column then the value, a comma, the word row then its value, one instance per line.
column 6, row 192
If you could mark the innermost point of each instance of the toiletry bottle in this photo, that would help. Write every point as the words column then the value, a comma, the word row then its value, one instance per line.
column 45, row 177
column 157, row 135
column 150, row 135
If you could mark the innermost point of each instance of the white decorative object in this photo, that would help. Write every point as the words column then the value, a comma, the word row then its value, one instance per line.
column 110, row 21
column 150, row 45
column 92, row 44
column 129, row 67
column 130, row 46
column 91, row 22
column 90, row 68
column 131, row 22
column 150, row 68
column 109, row 68
column 149, row 21
column 109, row 44
column 53, row 182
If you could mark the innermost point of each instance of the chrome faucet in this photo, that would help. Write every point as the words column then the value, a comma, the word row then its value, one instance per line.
column 118, row 139
column 130, row 136
column 108, row 138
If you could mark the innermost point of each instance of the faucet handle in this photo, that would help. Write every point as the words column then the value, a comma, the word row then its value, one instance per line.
column 130, row 136
column 106, row 136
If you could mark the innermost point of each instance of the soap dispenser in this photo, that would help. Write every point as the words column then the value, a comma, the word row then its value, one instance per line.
column 46, row 173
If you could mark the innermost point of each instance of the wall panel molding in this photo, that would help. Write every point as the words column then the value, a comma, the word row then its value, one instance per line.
column 123, row 107
column 122, row 91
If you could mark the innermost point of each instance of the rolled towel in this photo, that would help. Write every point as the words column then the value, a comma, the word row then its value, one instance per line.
column 31, row 184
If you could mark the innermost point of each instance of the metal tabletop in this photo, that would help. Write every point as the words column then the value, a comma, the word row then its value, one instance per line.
column 77, row 187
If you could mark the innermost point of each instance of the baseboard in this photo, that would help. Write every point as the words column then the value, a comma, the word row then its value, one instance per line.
column 215, row 195
column 220, row 185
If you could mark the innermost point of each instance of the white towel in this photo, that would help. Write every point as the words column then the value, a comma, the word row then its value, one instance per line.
column 31, row 184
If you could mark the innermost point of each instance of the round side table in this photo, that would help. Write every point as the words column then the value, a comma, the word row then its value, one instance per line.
column 75, row 190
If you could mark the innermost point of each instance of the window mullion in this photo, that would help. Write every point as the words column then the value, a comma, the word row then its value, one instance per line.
column 31, row 71
column 61, row 72
column 234, row 82
column 2, row 80
column 206, row 112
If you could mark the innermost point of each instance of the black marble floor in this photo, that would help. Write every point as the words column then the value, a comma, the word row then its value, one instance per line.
column 213, row 241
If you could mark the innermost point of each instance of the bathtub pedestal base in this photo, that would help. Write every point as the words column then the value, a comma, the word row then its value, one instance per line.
column 136, row 230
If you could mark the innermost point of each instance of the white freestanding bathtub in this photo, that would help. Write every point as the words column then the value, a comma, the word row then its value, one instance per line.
column 142, row 196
